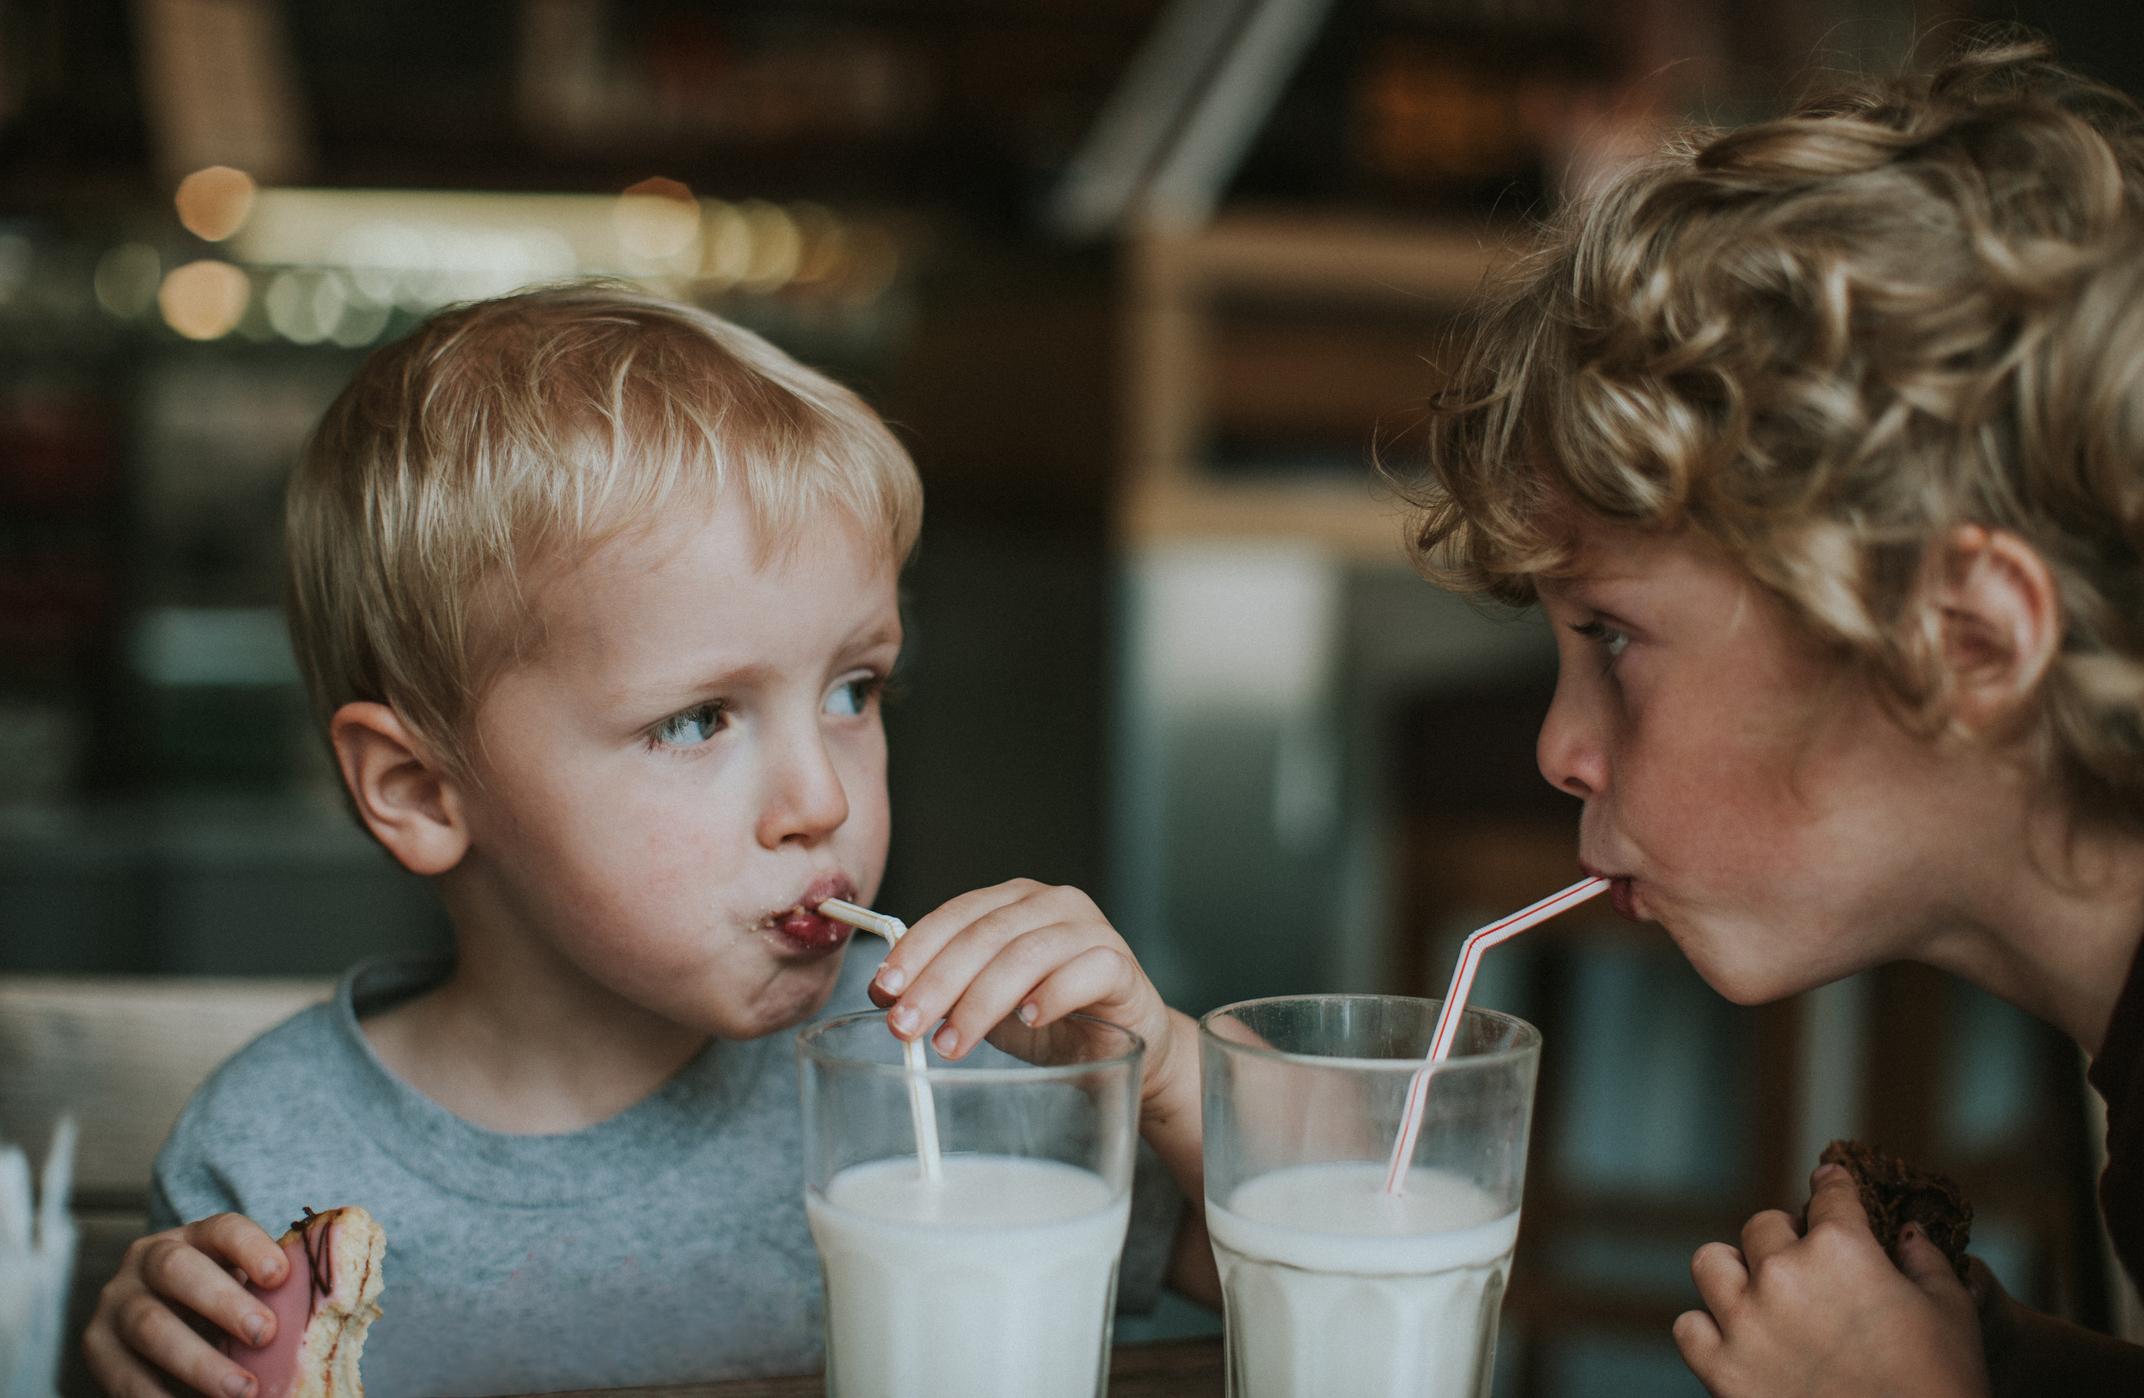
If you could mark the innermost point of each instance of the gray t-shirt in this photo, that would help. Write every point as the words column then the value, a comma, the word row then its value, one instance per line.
column 665, row 1245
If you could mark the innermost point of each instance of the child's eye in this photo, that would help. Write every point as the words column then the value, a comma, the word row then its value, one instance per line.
column 691, row 727
column 1600, row 633
column 852, row 697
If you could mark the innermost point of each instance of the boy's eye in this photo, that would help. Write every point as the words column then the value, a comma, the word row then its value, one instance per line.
column 1603, row 635
column 852, row 698
column 690, row 727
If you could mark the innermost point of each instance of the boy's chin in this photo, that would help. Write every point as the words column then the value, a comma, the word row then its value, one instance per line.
column 791, row 998
column 1741, row 983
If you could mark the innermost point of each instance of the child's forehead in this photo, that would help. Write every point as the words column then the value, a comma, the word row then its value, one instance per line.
column 1602, row 552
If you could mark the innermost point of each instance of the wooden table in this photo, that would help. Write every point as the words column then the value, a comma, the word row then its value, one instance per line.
column 1166, row 1369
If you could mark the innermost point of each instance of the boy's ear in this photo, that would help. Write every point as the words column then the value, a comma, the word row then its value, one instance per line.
column 1999, row 615
column 407, row 803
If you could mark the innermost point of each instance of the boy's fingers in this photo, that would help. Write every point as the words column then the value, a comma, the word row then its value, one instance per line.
column 117, row 1372
column 242, row 1242
column 1924, row 1263
column 934, row 985
column 161, row 1339
column 1836, row 1199
column 184, row 1274
column 1721, row 1276
column 932, row 931
column 1697, row 1335
column 1765, row 1234
column 1095, row 975
column 998, row 987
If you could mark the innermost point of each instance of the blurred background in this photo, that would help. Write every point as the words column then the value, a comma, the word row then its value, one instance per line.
column 1145, row 285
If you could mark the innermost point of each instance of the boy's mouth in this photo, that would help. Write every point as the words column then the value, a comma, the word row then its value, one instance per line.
column 800, row 930
column 1622, row 893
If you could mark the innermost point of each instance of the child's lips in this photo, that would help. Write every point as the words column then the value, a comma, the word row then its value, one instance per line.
column 809, row 932
column 800, row 927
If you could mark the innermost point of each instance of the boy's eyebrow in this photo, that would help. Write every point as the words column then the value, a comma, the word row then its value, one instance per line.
column 879, row 631
column 682, row 688
column 672, row 689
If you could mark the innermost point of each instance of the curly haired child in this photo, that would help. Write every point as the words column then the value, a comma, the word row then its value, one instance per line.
column 1821, row 443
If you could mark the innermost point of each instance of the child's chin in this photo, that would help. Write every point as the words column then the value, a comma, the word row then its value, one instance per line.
column 790, row 999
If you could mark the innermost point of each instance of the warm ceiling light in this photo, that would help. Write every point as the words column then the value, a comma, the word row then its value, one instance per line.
column 203, row 300
column 213, row 203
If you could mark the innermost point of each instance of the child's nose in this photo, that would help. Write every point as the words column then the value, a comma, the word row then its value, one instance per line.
column 805, row 798
column 1569, row 750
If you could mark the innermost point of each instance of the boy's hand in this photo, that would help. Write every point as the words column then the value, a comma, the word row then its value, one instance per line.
column 172, row 1286
column 1825, row 1313
column 1027, row 949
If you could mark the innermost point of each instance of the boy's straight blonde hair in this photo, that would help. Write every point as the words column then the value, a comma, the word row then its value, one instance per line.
column 522, row 433
column 1822, row 341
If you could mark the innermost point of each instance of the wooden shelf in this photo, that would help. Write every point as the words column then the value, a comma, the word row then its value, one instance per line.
column 1371, row 298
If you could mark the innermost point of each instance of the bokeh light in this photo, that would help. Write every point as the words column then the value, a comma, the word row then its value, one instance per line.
column 657, row 220
column 213, row 203
column 203, row 300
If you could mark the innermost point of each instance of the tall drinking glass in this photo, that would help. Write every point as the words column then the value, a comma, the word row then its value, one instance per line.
column 1000, row 1275
column 1332, row 1284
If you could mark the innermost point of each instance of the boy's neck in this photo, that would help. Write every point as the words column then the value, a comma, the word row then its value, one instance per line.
column 2060, row 919
column 509, row 1048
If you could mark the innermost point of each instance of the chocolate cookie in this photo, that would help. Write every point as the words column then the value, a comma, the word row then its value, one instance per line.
column 1894, row 1194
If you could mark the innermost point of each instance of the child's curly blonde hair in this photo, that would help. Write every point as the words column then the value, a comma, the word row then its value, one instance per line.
column 1823, row 341
column 523, row 432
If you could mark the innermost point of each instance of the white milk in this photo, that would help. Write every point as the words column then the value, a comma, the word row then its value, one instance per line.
column 1334, row 1286
column 999, row 1280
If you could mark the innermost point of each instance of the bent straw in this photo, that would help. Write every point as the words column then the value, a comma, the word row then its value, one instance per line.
column 921, row 1109
column 1455, row 1003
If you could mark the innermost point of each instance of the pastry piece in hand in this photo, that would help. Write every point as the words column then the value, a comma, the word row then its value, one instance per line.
column 1894, row 1194
column 328, row 1299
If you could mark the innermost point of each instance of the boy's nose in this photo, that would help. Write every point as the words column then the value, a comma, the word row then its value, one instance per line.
column 804, row 798
column 1569, row 751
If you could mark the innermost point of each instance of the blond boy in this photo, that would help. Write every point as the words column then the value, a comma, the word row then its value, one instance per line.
column 595, row 595
column 1819, row 443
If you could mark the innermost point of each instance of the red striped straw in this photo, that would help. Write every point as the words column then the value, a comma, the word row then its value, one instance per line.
column 1455, row 1004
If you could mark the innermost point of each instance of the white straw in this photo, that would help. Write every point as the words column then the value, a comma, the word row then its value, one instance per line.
column 1455, row 1003
column 921, row 1108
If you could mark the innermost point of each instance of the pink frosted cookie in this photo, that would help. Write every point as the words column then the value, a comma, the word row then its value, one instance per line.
column 328, row 1299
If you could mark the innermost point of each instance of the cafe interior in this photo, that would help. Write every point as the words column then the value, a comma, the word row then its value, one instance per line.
column 1153, row 291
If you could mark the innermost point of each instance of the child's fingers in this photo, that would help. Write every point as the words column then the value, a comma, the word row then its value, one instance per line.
column 241, row 1242
column 1835, row 1199
column 1003, row 983
column 1929, row 1269
column 936, row 975
column 118, row 1372
column 1721, row 1276
column 1697, row 1335
column 1095, row 975
column 159, row 1338
column 180, row 1272
column 1765, row 1234
column 950, row 976
column 923, row 940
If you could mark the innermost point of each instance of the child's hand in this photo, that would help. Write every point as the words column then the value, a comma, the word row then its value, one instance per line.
column 144, row 1329
column 1825, row 1313
column 1027, row 949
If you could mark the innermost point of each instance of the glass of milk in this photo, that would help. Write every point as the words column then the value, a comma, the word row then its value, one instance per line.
column 1000, row 1275
column 1330, row 1283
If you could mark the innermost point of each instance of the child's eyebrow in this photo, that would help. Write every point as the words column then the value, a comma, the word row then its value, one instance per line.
column 873, row 634
column 684, row 688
